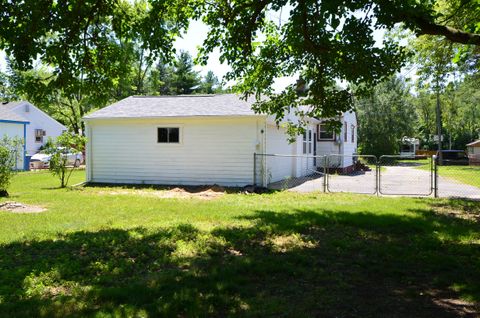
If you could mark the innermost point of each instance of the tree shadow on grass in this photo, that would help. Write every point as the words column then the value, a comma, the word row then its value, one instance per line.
column 304, row 263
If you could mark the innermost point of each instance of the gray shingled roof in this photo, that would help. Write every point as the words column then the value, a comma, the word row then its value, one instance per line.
column 6, row 112
column 474, row 143
column 176, row 106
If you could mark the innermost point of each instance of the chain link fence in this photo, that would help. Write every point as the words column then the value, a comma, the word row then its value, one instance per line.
column 411, row 175
column 302, row 173
column 457, row 179
column 356, row 174
column 386, row 175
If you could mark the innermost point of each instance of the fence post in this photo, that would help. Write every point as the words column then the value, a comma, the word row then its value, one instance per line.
column 435, row 176
column 325, row 173
column 377, row 176
column 254, row 171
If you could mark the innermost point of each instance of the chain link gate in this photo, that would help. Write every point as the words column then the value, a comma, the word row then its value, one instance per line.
column 411, row 176
column 387, row 175
column 354, row 174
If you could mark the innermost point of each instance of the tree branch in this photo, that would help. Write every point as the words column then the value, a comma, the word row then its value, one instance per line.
column 452, row 34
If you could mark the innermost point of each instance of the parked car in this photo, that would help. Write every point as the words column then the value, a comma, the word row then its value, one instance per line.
column 453, row 157
column 41, row 160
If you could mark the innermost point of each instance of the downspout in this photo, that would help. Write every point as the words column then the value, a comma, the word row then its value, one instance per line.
column 88, row 153
column 264, row 158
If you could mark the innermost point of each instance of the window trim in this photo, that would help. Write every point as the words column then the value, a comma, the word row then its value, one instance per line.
column 345, row 133
column 304, row 143
column 352, row 127
column 40, row 135
column 334, row 136
column 180, row 134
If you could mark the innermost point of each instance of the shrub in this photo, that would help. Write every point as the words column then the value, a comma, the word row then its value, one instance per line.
column 10, row 153
column 58, row 150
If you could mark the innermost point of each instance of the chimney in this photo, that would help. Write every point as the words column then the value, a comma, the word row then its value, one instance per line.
column 301, row 87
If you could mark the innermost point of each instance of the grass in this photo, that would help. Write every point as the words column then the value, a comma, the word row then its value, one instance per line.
column 97, row 253
column 464, row 174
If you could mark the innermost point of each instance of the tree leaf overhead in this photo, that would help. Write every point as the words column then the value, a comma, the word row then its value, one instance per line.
column 328, row 44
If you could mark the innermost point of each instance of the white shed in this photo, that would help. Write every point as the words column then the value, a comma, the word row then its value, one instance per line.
column 193, row 140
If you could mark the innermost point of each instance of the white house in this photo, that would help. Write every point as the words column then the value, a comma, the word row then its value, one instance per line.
column 200, row 139
column 41, row 126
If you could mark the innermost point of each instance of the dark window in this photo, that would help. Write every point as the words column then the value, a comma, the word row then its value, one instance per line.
column 168, row 135
column 305, row 142
column 39, row 133
column 324, row 133
column 309, row 141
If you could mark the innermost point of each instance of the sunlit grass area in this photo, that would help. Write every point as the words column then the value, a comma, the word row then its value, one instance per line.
column 465, row 174
column 111, row 251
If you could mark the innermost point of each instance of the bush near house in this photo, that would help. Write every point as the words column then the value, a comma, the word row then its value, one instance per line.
column 10, row 153
column 59, row 150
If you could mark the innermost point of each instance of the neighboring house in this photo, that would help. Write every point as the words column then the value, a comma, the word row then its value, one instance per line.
column 474, row 152
column 41, row 126
column 14, row 126
column 201, row 139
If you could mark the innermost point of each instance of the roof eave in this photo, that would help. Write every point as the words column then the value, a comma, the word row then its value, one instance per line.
column 173, row 117
column 14, row 121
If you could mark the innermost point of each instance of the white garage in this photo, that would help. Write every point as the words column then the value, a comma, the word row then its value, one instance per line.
column 190, row 140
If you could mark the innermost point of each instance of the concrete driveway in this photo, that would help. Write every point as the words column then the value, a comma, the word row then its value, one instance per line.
column 394, row 180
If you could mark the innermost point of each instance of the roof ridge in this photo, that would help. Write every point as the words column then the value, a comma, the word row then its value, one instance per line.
column 173, row 96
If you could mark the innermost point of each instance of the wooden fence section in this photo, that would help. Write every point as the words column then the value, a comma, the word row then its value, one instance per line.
column 427, row 153
column 474, row 160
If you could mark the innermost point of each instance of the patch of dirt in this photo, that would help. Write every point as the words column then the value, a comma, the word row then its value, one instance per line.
column 285, row 243
column 458, row 213
column 206, row 193
column 16, row 207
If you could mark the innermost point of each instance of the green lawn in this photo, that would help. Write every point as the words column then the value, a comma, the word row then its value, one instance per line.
column 103, row 252
column 465, row 174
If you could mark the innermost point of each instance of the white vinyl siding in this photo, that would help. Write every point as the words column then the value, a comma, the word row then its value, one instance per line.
column 38, row 121
column 13, row 130
column 278, row 168
column 345, row 147
column 350, row 146
column 212, row 151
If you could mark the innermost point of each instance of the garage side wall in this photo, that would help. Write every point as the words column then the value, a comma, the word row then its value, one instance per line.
column 211, row 151
column 279, row 168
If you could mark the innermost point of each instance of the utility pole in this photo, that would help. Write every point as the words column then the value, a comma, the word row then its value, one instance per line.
column 439, row 124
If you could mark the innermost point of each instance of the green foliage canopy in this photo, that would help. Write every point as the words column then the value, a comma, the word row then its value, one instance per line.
column 385, row 117
column 324, row 42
